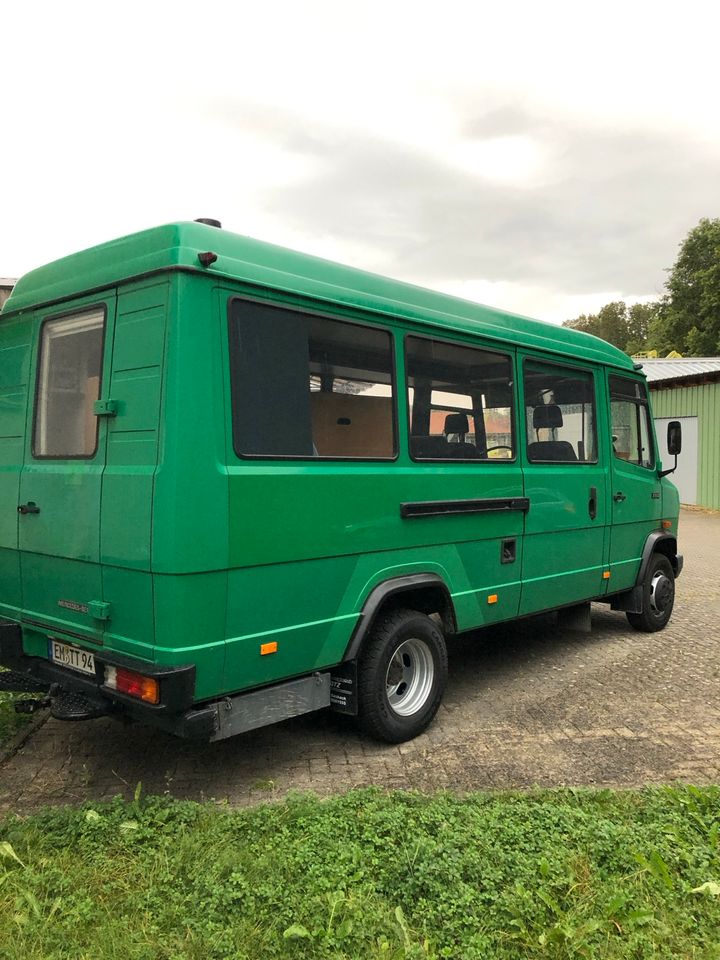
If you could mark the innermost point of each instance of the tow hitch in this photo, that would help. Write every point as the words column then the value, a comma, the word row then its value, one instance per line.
column 32, row 706
column 11, row 680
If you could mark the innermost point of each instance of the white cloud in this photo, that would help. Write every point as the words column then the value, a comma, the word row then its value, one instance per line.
column 110, row 120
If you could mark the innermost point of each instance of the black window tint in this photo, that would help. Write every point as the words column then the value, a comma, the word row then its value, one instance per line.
column 460, row 402
column 69, row 373
column 559, row 414
column 306, row 386
column 631, row 433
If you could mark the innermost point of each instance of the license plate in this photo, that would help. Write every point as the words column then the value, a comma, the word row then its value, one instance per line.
column 73, row 657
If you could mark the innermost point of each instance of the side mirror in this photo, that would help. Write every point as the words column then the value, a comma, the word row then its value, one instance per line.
column 674, row 444
column 674, row 437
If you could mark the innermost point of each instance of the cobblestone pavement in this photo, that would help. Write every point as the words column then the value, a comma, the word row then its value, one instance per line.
column 526, row 704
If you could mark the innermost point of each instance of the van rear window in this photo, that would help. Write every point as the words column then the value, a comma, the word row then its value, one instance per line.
column 69, row 375
column 308, row 386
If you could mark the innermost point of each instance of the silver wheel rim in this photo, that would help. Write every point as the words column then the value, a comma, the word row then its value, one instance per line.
column 661, row 593
column 409, row 677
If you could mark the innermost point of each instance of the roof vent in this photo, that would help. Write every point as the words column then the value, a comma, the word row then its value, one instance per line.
column 209, row 221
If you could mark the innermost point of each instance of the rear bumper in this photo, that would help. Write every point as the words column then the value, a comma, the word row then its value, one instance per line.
column 176, row 713
column 177, row 684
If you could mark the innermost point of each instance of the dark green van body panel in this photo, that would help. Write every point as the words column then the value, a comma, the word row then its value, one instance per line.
column 202, row 556
column 15, row 349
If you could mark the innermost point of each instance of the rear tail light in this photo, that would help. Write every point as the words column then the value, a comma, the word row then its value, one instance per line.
column 133, row 684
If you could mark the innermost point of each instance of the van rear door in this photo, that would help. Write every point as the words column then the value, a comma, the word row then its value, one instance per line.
column 15, row 344
column 61, row 480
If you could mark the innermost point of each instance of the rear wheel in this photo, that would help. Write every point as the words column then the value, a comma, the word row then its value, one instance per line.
column 658, row 590
column 402, row 674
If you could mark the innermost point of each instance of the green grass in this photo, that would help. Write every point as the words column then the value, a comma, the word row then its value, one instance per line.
column 402, row 875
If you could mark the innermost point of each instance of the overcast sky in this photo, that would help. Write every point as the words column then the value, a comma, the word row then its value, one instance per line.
column 540, row 157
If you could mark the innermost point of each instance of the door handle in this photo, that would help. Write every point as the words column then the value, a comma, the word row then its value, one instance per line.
column 619, row 496
column 29, row 507
column 592, row 503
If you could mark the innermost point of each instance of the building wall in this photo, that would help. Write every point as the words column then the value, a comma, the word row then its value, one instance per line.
column 701, row 401
column 5, row 291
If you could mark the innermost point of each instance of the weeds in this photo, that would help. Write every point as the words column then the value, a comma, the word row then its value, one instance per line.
column 10, row 722
column 565, row 874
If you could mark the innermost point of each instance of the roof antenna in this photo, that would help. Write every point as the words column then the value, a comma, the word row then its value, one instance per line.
column 209, row 221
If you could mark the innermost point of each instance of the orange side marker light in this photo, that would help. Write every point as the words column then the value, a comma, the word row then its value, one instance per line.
column 492, row 598
column 266, row 648
column 606, row 574
column 666, row 524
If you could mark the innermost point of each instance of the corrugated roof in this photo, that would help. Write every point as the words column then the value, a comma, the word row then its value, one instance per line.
column 679, row 369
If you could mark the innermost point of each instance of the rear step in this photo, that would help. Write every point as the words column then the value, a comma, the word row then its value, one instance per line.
column 63, row 704
column 68, row 705
column 11, row 680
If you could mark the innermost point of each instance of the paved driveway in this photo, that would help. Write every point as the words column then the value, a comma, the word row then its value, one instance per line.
column 526, row 704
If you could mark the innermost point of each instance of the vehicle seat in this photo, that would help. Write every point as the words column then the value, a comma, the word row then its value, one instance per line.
column 429, row 448
column 552, row 451
column 457, row 423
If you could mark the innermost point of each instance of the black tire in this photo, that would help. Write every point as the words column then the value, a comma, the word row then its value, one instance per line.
column 658, row 591
column 399, row 690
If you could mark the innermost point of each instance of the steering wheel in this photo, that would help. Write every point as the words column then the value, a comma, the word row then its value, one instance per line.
column 500, row 446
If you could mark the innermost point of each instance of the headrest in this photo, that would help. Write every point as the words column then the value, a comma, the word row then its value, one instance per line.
column 547, row 415
column 456, row 423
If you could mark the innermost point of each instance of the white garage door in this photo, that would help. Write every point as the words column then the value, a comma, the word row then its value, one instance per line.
column 685, row 477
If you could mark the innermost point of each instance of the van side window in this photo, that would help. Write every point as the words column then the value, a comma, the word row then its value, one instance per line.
column 559, row 414
column 68, row 385
column 631, row 433
column 460, row 401
column 307, row 386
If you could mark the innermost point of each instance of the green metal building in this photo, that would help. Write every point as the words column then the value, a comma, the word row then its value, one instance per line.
column 688, row 390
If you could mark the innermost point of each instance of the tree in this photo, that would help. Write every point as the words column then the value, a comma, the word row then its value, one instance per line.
column 688, row 319
column 625, row 327
column 640, row 318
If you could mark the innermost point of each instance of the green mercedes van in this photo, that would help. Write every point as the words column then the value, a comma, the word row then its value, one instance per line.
column 239, row 484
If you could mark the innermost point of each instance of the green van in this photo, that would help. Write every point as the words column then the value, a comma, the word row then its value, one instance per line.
column 240, row 483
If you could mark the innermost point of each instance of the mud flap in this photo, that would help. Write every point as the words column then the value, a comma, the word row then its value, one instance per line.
column 343, row 688
column 631, row 601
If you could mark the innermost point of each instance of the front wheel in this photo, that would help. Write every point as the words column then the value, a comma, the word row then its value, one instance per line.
column 401, row 676
column 658, row 591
